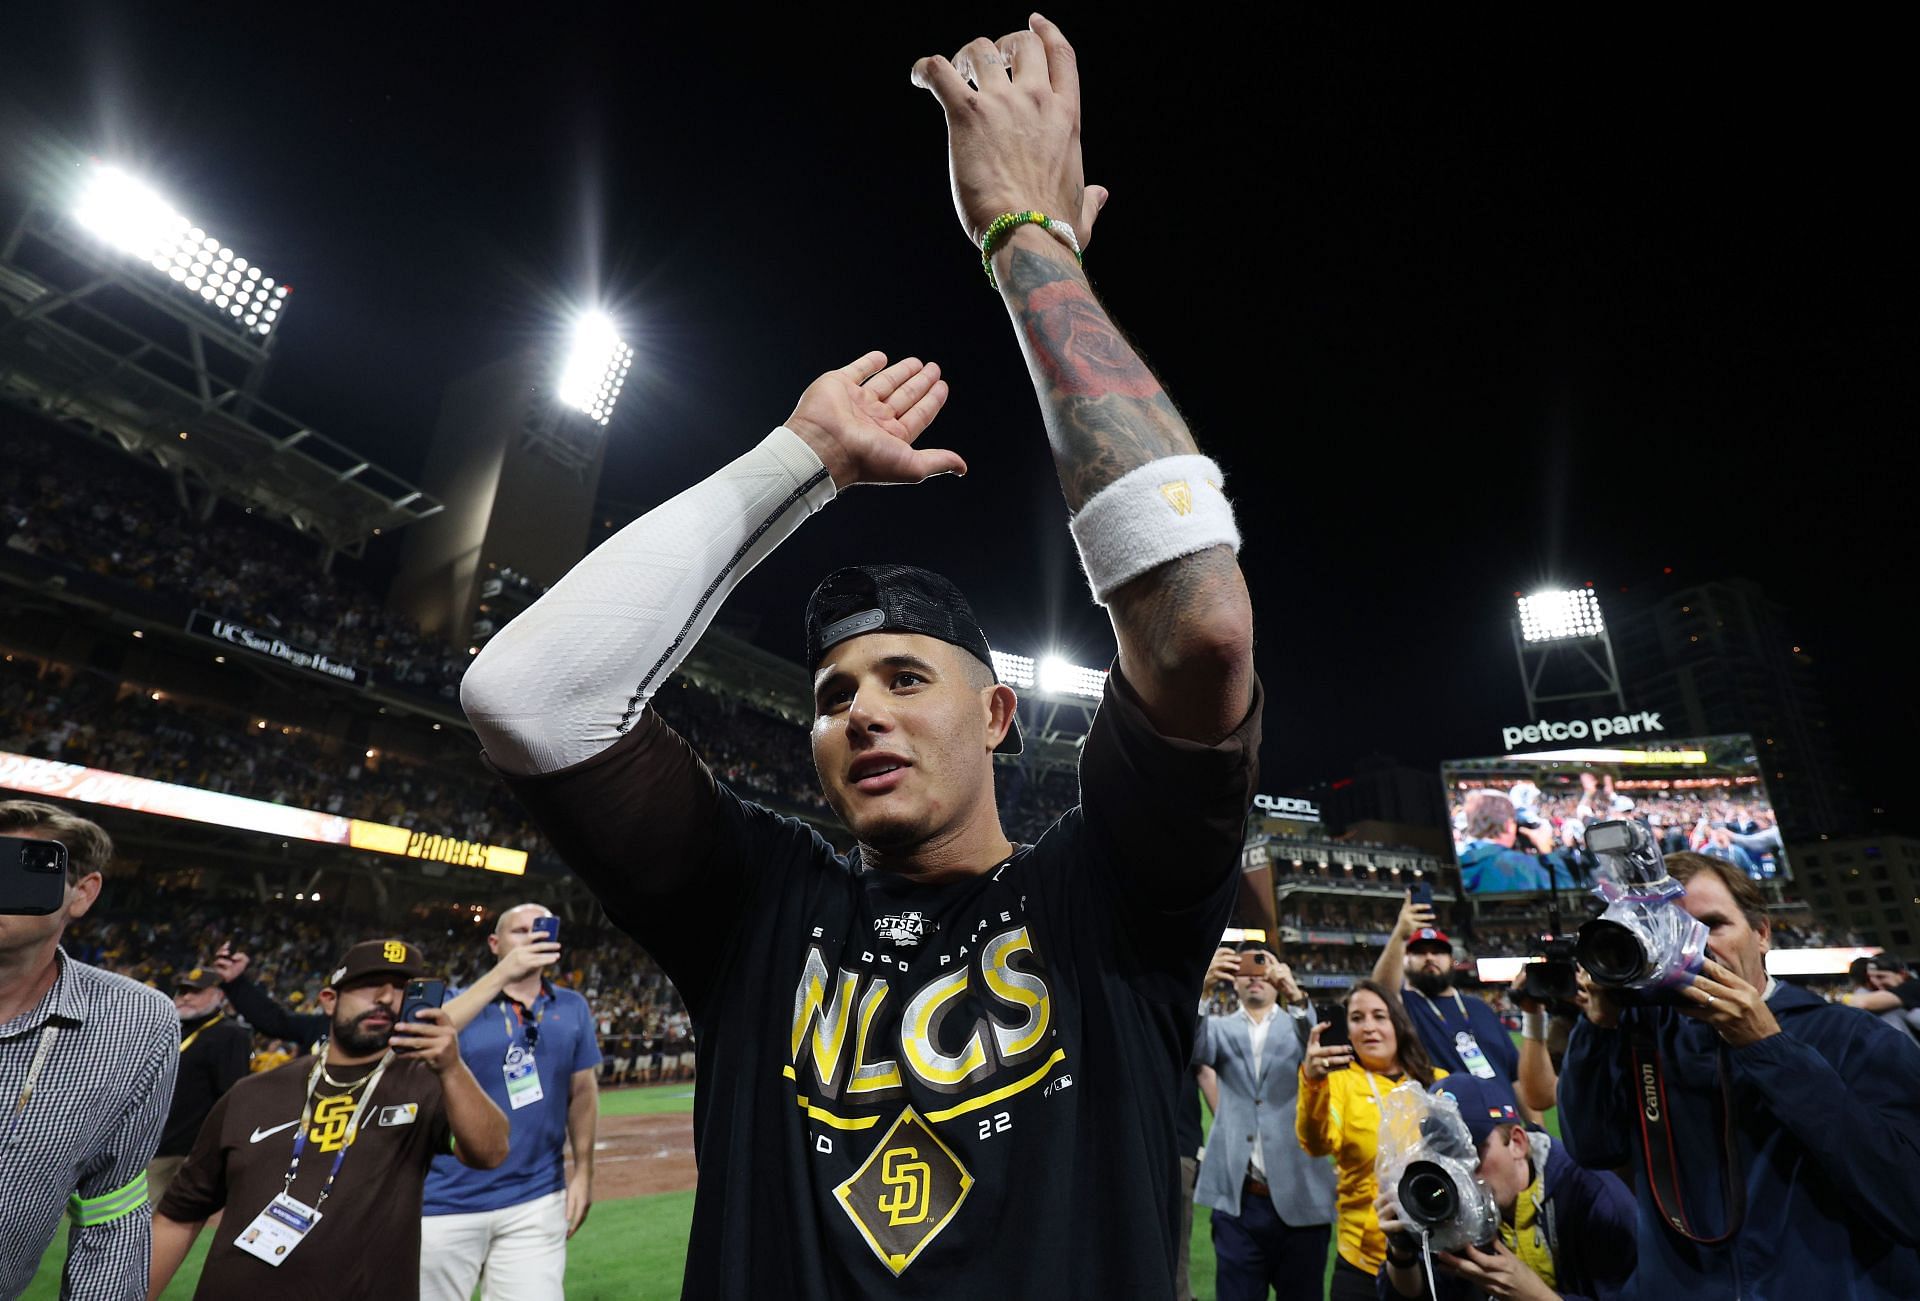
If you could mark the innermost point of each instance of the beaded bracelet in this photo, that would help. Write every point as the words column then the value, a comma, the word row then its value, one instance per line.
column 1003, row 225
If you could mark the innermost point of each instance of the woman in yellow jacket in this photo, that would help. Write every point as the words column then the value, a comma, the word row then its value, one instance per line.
column 1341, row 1088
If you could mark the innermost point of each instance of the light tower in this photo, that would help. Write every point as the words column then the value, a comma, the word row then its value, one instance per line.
column 1560, row 640
column 516, row 455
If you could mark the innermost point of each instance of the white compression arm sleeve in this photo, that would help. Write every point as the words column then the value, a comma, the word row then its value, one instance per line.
column 568, row 677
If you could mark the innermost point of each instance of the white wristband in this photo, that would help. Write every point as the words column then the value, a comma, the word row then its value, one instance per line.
column 1533, row 1025
column 1154, row 513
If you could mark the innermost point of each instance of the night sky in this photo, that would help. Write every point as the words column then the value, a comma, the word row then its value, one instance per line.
column 1461, row 309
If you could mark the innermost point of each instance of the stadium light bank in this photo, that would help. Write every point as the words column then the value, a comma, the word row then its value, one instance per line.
column 130, row 215
column 1051, row 675
column 1560, row 616
column 595, row 368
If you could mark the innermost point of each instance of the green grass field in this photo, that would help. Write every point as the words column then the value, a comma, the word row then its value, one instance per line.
column 629, row 1250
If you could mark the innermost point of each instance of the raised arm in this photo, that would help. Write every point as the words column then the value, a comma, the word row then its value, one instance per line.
column 513, row 964
column 570, row 676
column 1183, row 621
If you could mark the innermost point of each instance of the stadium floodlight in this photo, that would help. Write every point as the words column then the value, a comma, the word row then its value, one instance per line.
column 1051, row 674
column 1014, row 670
column 1057, row 677
column 596, row 367
column 132, row 217
column 1560, row 616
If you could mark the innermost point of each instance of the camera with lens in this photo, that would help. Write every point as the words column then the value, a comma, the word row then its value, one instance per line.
column 1427, row 1156
column 1550, row 977
column 1644, row 944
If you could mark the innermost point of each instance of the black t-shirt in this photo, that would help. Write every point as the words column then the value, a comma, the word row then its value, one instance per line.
column 957, row 1090
column 214, row 1054
column 367, row 1243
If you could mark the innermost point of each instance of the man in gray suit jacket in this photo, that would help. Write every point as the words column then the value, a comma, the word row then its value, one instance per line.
column 1272, row 1203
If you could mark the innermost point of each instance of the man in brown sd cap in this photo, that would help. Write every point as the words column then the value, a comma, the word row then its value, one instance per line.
column 302, row 1220
column 215, row 1050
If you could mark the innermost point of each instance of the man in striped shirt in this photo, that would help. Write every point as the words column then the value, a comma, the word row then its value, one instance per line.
column 87, row 1063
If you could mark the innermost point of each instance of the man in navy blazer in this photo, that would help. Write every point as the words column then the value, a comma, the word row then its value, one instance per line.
column 1272, row 1203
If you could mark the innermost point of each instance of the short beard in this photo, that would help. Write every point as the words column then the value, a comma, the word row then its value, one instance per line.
column 1430, row 982
column 355, row 1042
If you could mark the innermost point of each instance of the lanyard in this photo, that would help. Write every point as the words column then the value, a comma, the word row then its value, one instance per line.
column 1457, row 1002
column 353, row 1126
column 188, row 1041
column 38, row 1064
column 1372, row 1087
column 520, row 1015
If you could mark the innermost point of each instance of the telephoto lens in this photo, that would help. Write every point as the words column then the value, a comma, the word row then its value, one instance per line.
column 1613, row 954
column 1427, row 1194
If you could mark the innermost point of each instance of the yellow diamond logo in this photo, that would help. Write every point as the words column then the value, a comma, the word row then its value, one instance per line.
column 1179, row 495
column 909, row 1188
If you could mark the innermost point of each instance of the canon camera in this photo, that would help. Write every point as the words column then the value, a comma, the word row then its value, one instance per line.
column 1427, row 1156
column 1644, row 942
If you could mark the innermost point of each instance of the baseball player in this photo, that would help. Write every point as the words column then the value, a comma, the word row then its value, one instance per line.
column 942, row 1064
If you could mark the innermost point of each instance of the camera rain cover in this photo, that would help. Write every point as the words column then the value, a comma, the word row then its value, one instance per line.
column 1429, row 1161
column 1656, row 944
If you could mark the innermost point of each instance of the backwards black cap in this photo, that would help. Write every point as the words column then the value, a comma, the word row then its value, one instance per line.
column 896, row 598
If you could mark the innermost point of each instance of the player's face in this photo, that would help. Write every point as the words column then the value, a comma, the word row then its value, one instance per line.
column 903, row 736
column 1732, row 941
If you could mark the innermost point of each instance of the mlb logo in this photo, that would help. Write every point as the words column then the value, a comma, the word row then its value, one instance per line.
column 404, row 1114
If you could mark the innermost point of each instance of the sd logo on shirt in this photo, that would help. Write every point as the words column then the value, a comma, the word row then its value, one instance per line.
column 329, row 1129
column 909, row 1188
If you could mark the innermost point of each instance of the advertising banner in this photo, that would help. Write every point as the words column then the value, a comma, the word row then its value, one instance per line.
column 71, row 781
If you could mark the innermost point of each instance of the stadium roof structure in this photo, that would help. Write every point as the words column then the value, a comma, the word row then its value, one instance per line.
column 96, row 341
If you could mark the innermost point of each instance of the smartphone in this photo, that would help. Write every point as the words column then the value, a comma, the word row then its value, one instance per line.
column 421, row 993
column 1422, row 892
column 1253, row 962
column 33, row 876
column 1335, row 1035
column 547, row 928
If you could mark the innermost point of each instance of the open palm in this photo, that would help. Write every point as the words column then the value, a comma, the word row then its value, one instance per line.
column 863, row 419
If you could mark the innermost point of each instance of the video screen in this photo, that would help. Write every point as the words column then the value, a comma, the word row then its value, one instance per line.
column 1519, row 820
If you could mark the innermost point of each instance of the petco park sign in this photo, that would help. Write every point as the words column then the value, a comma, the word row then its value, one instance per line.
column 1594, row 729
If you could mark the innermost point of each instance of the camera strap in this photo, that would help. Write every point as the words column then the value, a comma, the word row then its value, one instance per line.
column 1656, row 1141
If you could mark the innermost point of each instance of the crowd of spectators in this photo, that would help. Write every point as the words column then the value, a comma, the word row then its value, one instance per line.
column 74, row 504
column 100, row 722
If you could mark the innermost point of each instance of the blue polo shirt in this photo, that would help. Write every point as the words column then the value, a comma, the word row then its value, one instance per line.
column 564, row 1041
column 1441, row 1021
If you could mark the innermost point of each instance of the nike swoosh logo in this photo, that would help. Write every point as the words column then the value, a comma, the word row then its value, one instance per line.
column 259, row 1134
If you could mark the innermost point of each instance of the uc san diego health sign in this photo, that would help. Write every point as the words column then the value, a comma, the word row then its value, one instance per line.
column 268, row 646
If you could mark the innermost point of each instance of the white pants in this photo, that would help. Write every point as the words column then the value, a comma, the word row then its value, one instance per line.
column 522, row 1249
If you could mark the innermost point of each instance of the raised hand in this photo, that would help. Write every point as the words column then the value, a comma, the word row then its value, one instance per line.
column 863, row 419
column 523, row 960
column 1323, row 1058
column 1412, row 917
column 1224, row 967
column 1013, row 128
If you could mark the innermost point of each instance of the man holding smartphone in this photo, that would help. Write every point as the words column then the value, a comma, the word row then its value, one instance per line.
column 534, row 1051
column 87, row 1064
column 1461, row 1033
column 1272, row 1203
column 319, row 1164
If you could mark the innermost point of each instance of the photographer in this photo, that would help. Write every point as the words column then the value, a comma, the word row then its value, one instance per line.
column 1564, row 1231
column 1774, row 1137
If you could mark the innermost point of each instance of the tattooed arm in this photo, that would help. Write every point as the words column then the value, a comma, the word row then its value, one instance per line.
column 1185, row 628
